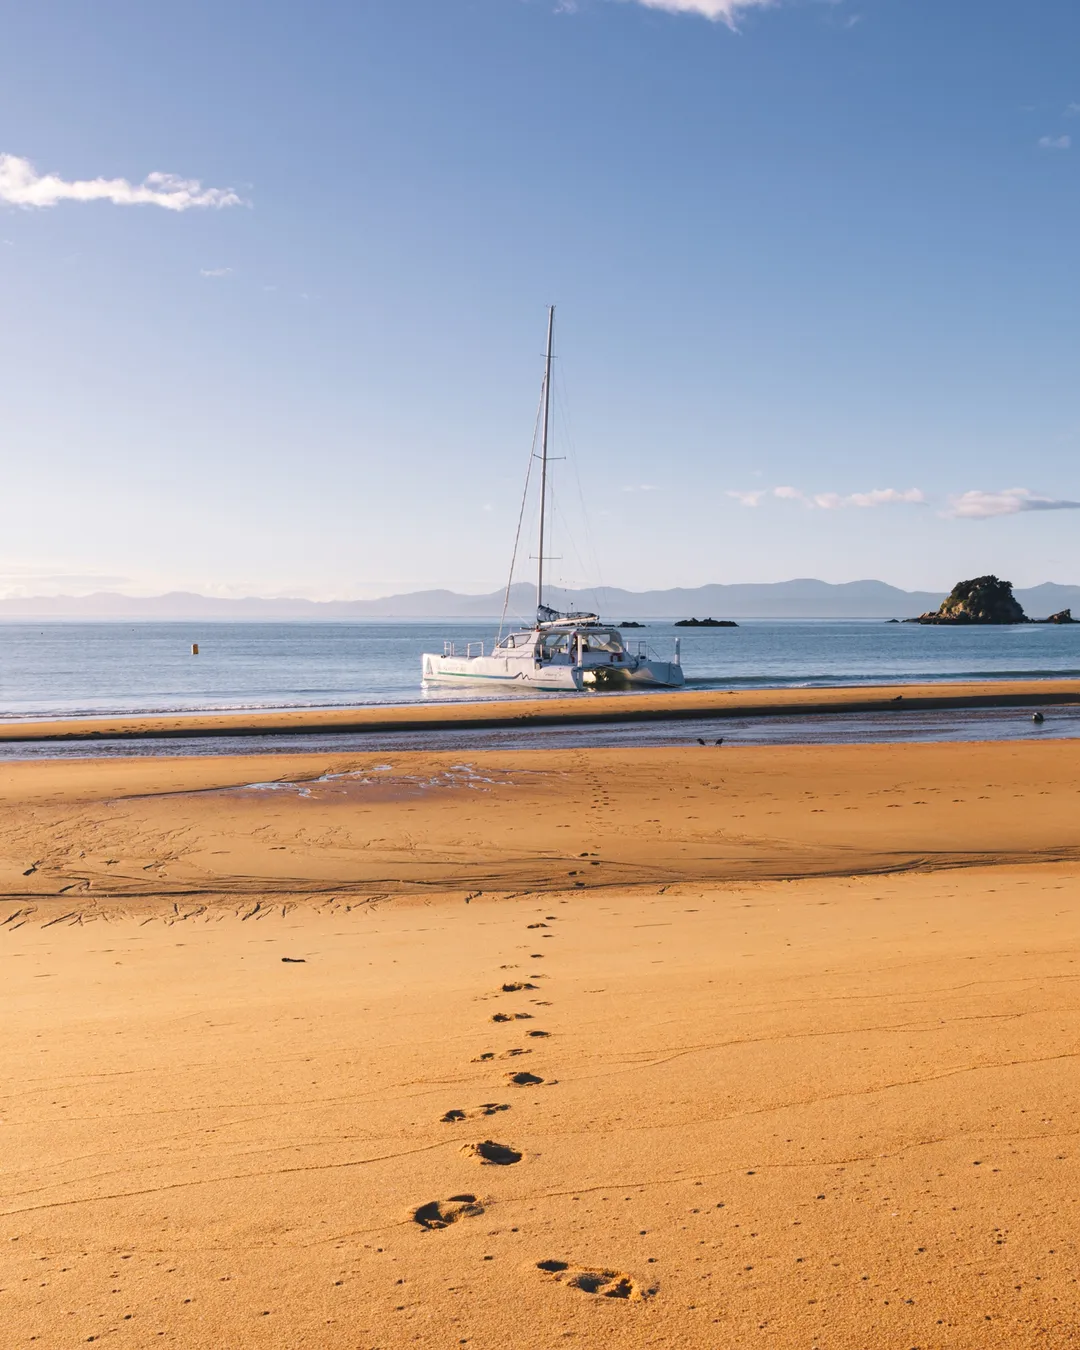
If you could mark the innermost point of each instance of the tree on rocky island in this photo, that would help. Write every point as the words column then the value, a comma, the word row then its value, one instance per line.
column 981, row 600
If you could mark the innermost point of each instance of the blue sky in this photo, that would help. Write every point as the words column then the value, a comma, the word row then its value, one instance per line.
column 292, row 342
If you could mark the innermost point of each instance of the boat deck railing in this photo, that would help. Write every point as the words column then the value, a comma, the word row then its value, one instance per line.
column 471, row 649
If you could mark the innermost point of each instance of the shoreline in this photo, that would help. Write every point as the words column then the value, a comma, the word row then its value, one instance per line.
column 576, row 709
column 92, row 831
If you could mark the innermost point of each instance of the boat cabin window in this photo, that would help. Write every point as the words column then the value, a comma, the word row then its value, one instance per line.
column 513, row 640
column 602, row 640
column 556, row 642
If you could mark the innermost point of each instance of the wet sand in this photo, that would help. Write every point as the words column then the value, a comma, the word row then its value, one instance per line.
column 581, row 709
column 805, row 1070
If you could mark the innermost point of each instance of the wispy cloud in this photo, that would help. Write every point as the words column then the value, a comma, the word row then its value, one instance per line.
column 1008, row 502
column 1055, row 142
column 640, row 487
column 719, row 11
column 215, row 271
column 22, row 185
column 835, row 501
column 748, row 498
column 831, row 501
column 18, row 582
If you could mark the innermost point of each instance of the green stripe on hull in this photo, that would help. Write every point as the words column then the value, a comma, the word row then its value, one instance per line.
column 502, row 679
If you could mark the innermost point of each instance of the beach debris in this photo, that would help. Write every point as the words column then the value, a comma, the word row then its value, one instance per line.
column 498, row 1155
column 194, row 649
column 294, row 960
column 442, row 1213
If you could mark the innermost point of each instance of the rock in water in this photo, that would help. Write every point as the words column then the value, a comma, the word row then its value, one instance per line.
column 1062, row 616
column 981, row 600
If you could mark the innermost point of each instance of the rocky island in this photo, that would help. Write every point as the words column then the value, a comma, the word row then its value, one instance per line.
column 705, row 623
column 984, row 600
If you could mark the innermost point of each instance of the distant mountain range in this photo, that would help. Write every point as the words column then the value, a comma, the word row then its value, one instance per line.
column 802, row 599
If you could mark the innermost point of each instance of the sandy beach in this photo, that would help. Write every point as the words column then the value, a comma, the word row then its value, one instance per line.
column 701, row 1048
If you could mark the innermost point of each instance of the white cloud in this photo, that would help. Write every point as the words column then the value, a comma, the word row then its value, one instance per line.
column 641, row 487
column 22, row 185
column 215, row 271
column 719, row 11
column 1007, row 502
column 878, row 497
column 1055, row 142
column 835, row 501
column 748, row 498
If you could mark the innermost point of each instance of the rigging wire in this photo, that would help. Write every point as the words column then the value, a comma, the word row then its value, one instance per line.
column 521, row 512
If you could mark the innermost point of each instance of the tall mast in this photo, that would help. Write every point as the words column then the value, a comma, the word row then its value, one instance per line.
column 544, row 455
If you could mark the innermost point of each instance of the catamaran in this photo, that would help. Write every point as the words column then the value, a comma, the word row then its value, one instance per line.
column 560, row 651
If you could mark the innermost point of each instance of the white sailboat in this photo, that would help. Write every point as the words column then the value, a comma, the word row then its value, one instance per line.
column 560, row 652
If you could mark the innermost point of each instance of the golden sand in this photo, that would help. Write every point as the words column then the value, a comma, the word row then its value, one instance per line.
column 684, row 1048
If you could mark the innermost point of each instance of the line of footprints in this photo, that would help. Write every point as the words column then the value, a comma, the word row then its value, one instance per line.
column 438, row 1214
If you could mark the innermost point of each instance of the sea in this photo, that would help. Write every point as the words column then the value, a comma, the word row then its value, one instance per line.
column 61, row 669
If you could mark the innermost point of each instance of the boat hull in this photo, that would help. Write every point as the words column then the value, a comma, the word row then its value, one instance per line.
column 556, row 678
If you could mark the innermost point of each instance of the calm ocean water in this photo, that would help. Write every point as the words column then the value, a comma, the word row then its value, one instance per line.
column 73, row 669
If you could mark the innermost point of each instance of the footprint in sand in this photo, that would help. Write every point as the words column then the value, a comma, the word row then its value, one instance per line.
column 524, row 1079
column 512, row 1017
column 513, row 988
column 442, row 1213
column 538, row 1033
column 532, row 925
column 608, row 1283
column 498, row 1155
column 484, row 1109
